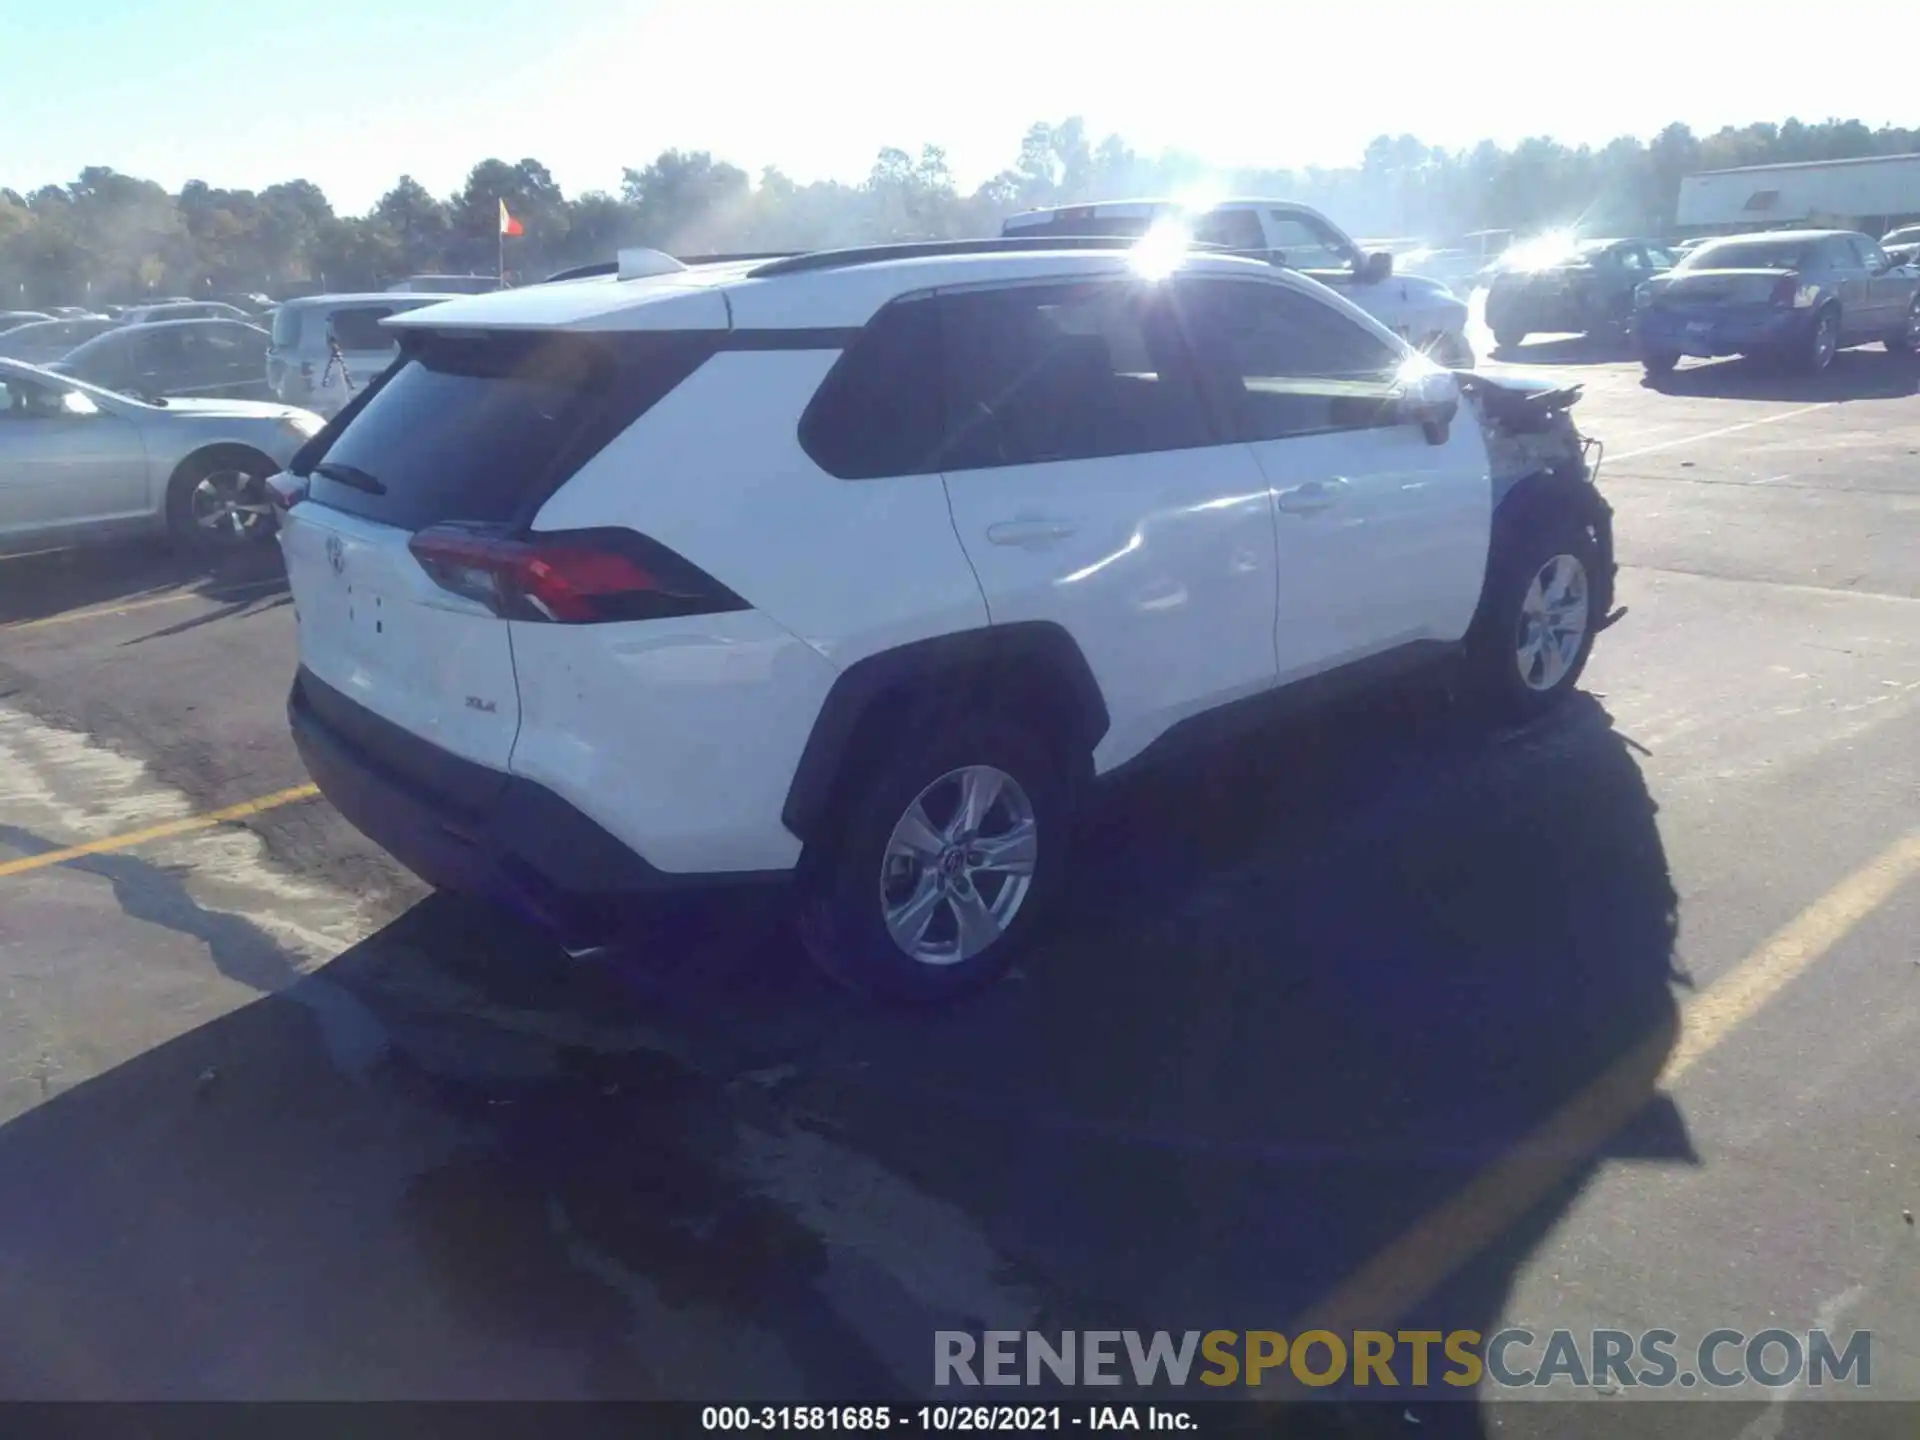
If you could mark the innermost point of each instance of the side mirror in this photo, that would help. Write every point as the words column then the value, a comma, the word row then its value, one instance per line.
column 1431, row 400
column 1376, row 267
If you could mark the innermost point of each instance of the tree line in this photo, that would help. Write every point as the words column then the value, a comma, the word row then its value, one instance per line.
column 108, row 236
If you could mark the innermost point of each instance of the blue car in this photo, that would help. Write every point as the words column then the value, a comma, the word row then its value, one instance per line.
column 1795, row 295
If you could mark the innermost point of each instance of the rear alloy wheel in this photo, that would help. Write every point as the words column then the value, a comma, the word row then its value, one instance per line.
column 1659, row 362
column 944, row 861
column 1509, row 338
column 220, row 502
column 1906, row 340
column 1822, row 344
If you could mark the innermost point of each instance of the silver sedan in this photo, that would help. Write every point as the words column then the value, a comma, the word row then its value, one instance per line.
column 80, row 464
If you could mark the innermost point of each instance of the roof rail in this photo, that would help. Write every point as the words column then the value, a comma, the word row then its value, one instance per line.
column 923, row 249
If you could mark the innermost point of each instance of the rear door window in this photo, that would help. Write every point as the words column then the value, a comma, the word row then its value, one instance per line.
column 1306, row 244
column 1041, row 373
column 482, row 427
column 233, row 353
column 1235, row 229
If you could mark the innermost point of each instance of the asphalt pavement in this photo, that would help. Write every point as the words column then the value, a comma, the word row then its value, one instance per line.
column 1378, row 1020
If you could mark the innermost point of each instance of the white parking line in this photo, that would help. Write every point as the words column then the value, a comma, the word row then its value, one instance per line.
column 1716, row 434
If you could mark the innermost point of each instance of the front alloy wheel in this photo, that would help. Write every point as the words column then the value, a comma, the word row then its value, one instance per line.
column 958, row 865
column 230, row 507
column 1553, row 622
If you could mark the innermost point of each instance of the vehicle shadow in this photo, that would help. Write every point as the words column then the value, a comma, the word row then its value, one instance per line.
column 1607, row 347
column 1869, row 374
column 1304, row 994
column 49, row 583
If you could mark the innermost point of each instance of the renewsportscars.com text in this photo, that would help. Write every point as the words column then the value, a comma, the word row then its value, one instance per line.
column 1512, row 1358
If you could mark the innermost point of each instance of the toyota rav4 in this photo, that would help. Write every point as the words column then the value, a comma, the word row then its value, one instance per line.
column 852, row 570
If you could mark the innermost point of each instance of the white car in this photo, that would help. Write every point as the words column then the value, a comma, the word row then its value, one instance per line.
column 79, row 463
column 852, row 570
column 1420, row 310
column 324, row 348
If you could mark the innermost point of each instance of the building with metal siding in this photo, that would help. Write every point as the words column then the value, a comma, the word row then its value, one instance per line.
column 1873, row 194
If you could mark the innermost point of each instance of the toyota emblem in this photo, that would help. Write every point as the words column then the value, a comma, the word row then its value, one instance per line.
column 336, row 555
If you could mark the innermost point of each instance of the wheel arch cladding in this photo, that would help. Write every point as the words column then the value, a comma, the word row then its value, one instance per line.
column 1034, row 662
column 1547, row 494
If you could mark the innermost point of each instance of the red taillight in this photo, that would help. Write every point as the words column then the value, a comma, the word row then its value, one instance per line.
column 286, row 491
column 1784, row 290
column 575, row 577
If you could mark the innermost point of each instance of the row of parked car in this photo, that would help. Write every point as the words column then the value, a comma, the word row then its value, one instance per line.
column 168, row 417
column 1794, row 296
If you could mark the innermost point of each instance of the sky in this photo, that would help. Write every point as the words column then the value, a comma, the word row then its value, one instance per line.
column 352, row 93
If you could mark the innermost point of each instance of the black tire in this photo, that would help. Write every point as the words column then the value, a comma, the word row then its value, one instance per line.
column 1906, row 340
column 1522, row 550
column 1509, row 337
column 1659, row 362
column 183, row 523
column 842, row 920
column 1814, row 355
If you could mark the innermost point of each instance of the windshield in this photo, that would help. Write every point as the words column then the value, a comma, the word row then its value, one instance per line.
column 1748, row 255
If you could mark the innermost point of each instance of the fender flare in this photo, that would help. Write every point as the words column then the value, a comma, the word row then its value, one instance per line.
column 984, row 659
column 1545, row 492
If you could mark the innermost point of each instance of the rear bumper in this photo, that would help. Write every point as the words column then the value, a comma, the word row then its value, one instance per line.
column 1551, row 311
column 1727, row 331
column 464, row 827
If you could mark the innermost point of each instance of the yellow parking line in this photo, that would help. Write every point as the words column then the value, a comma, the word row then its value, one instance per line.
column 1417, row 1261
column 99, row 611
column 171, row 828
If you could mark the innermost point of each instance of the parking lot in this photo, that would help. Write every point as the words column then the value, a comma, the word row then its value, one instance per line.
column 1383, row 1022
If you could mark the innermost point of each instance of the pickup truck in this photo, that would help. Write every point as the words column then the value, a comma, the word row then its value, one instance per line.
column 1420, row 310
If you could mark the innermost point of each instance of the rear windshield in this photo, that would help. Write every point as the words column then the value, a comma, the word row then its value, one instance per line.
column 359, row 328
column 1748, row 255
column 1068, row 224
column 286, row 325
column 482, row 427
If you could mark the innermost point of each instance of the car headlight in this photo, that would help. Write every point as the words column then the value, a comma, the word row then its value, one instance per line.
column 302, row 424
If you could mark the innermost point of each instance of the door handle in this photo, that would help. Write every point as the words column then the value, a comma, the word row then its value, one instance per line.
column 1032, row 532
column 1313, row 496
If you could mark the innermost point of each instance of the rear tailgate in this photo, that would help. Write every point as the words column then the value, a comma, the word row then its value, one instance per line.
column 1689, row 288
column 375, row 628
column 476, row 428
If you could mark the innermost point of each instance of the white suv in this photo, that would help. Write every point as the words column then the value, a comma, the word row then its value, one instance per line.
column 853, row 569
column 327, row 347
